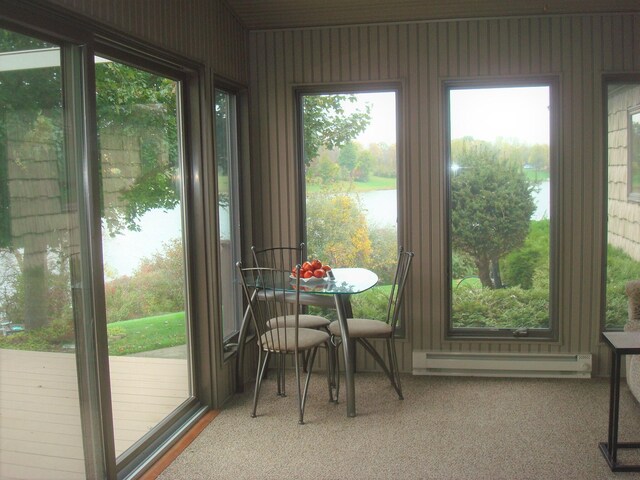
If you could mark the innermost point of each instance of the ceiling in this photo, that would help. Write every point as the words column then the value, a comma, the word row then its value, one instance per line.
column 277, row 14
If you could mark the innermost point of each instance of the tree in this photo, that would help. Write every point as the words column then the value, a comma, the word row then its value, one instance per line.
column 337, row 230
column 348, row 158
column 491, row 208
column 326, row 123
column 364, row 166
column 141, row 106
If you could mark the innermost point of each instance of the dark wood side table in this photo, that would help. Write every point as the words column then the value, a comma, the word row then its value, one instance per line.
column 621, row 343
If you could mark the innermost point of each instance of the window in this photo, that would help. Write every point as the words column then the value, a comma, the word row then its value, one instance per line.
column 633, row 141
column 350, row 185
column 623, row 197
column 228, row 209
column 501, row 176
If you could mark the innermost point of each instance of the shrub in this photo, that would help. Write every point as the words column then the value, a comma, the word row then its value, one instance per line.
column 156, row 287
column 50, row 338
column 519, row 266
column 462, row 265
column 501, row 308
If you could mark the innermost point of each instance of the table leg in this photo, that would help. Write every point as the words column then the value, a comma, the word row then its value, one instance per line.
column 614, row 407
column 346, row 350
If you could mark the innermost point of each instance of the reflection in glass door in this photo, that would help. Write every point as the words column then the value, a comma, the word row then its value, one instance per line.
column 143, row 245
column 40, row 434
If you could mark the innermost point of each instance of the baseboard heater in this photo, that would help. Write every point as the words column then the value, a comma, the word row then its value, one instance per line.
column 502, row 364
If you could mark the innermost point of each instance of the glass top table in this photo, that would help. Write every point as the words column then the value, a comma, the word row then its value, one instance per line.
column 345, row 282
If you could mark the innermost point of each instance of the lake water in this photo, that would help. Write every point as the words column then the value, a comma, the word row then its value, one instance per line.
column 158, row 227
column 381, row 206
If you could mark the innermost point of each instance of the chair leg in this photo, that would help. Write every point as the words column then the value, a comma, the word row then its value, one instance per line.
column 260, row 374
column 303, row 398
column 280, row 376
column 330, row 369
column 393, row 363
column 376, row 356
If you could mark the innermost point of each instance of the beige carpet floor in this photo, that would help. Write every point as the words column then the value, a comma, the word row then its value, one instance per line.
column 446, row 428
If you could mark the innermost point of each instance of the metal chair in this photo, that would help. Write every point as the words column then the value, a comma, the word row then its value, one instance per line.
column 286, row 258
column 363, row 329
column 275, row 313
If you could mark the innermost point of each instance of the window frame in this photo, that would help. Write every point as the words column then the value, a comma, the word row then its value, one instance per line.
column 550, row 334
column 633, row 196
column 302, row 90
column 230, row 340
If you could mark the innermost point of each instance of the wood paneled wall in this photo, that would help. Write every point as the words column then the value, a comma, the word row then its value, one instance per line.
column 577, row 49
column 202, row 30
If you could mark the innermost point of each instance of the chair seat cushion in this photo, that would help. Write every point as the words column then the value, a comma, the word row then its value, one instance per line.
column 304, row 321
column 284, row 339
column 362, row 327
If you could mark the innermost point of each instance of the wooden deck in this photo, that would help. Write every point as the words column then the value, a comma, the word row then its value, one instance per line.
column 40, row 433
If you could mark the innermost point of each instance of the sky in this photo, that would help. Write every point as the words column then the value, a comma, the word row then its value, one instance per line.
column 520, row 113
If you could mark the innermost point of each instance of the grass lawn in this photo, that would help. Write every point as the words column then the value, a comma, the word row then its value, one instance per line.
column 374, row 183
column 144, row 334
column 537, row 175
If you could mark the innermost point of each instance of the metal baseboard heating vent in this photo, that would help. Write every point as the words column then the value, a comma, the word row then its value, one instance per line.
column 502, row 364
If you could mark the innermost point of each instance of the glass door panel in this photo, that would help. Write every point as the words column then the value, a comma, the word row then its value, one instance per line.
column 144, row 248
column 40, row 434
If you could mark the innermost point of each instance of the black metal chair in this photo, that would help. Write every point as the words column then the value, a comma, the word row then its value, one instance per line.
column 275, row 313
column 362, row 330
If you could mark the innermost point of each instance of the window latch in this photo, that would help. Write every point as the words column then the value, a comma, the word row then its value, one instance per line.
column 521, row 332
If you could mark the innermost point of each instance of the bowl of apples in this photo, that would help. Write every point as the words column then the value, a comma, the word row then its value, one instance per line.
column 312, row 271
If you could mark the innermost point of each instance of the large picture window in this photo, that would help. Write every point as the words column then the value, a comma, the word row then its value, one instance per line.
column 500, row 209
column 350, row 185
column 623, row 197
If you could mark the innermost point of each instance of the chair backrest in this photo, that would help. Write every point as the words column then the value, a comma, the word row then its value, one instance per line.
column 269, row 299
column 280, row 258
column 398, row 287
column 286, row 258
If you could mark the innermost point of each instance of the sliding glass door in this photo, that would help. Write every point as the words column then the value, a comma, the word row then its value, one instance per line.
column 140, row 148
column 41, row 432
column 96, row 310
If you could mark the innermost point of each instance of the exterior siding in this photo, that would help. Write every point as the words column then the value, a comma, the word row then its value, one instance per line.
column 577, row 49
column 624, row 214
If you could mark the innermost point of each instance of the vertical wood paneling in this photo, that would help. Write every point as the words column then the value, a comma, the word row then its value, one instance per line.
column 432, row 253
column 577, row 48
column 203, row 30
